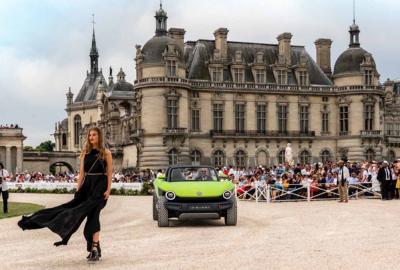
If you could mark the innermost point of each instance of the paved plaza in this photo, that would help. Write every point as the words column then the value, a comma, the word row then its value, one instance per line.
column 364, row 234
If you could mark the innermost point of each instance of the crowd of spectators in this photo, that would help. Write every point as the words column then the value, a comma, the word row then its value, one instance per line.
column 321, row 178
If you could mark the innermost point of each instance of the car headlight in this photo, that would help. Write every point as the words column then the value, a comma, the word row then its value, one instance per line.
column 170, row 195
column 227, row 194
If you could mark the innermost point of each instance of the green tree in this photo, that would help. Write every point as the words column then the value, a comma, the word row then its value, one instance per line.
column 28, row 148
column 46, row 146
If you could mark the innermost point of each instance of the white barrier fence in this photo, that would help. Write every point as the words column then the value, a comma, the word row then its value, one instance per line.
column 68, row 186
column 304, row 192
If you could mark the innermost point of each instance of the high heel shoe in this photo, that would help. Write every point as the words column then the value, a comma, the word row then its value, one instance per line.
column 94, row 254
column 98, row 250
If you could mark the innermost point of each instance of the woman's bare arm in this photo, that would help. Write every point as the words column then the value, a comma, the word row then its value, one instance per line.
column 109, row 170
column 81, row 173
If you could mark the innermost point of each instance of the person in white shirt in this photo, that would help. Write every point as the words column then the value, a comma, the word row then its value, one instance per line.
column 343, row 184
column 3, row 187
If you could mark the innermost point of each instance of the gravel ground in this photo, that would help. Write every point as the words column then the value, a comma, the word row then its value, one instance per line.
column 363, row 234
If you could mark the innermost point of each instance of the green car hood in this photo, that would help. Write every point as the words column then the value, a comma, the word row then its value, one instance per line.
column 196, row 189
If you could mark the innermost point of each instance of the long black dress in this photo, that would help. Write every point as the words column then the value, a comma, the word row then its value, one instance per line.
column 88, row 201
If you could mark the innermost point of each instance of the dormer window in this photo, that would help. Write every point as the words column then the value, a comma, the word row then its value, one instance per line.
column 238, row 75
column 281, row 76
column 260, row 76
column 171, row 68
column 302, row 78
column 216, row 74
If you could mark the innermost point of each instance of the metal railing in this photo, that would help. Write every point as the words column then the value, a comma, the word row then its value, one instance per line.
column 303, row 192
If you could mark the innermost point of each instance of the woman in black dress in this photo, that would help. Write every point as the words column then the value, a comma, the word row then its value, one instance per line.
column 93, row 190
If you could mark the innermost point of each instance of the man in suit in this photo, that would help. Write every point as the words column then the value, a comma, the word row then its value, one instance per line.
column 343, row 184
column 4, row 187
column 385, row 177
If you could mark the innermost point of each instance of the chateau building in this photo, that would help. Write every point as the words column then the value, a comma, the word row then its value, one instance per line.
column 225, row 102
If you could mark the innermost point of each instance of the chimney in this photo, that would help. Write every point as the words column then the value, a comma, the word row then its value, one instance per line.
column 323, row 49
column 221, row 43
column 178, row 34
column 284, row 46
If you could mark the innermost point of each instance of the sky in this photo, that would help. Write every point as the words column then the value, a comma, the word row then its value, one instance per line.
column 45, row 44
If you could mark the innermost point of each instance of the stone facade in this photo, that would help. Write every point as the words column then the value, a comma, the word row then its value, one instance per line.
column 223, row 102
column 11, row 148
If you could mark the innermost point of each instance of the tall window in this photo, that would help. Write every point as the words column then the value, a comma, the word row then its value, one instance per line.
column 368, row 116
column 64, row 139
column 325, row 122
column 77, row 128
column 219, row 158
column 238, row 75
column 281, row 156
column 196, row 157
column 239, row 117
column 325, row 156
column 305, row 157
column 282, row 118
column 172, row 113
column 370, row 155
column 281, row 79
column 368, row 77
column 303, row 119
column 195, row 120
column 218, row 116
column 261, row 118
column 302, row 78
column 260, row 76
column 173, row 157
column 216, row 74
column 240, row 158
column 344, row 119
column 171, row 68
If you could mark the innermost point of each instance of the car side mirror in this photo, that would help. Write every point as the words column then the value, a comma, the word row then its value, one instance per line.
column 161, row 177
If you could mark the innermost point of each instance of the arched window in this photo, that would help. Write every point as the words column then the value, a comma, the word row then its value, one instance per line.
column 240, row 158
column 173, row 157
column 281, row 156
column 64, row 139
column 305, row 157
column 77, row 129
column 196, row 157
column 325, row 156
column 370, row 155
column 219, row 158
column 391, row 156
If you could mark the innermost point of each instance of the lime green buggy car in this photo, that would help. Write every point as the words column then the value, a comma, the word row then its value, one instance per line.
column 193, row 192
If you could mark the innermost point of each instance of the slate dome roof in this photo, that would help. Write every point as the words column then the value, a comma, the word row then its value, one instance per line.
column 154, row 48
column 350, row 60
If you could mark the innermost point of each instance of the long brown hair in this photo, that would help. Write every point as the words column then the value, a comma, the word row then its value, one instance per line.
column 88, row 146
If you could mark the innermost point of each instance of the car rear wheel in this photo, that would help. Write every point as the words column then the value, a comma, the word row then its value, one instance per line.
column 162, row 218
column 231, row 214
column 155, row 212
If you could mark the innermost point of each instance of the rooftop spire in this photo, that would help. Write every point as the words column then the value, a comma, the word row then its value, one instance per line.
column 94, row 54
column 354, row 30
column 161, row 21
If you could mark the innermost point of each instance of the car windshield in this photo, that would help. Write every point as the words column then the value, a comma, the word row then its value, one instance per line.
column 193, row 174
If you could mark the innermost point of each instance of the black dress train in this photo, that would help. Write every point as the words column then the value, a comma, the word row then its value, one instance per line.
column 88, row 201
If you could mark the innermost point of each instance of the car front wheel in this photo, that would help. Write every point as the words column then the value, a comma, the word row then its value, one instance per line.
column 162, row 218
column 231, row 214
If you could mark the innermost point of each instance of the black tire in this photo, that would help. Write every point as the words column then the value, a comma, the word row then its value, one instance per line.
column 231, row 214
column 155, row 212
column 163, row 220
